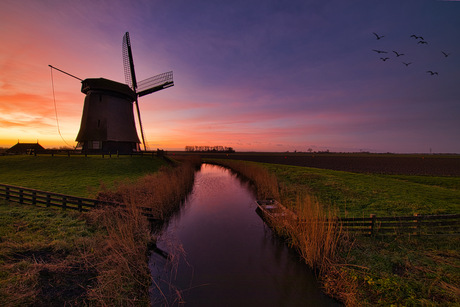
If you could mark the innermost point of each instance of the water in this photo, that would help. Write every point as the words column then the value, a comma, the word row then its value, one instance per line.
column 224, row 255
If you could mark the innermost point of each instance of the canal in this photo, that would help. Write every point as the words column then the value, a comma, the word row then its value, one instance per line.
column 221, row 253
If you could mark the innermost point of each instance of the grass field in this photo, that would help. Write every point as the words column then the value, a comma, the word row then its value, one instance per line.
column 357, row 195
column 52, row 257
column 385, row 270
column 39, row 253
column 389, row 270
column 75, row 175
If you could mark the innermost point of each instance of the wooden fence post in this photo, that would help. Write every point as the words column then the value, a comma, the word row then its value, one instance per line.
column 372, row 216
column 80, row 206
column 21, row 196
column 7, row 193
column 48, row 200
column 64, row 202
column 34, row 198
column 418, row 229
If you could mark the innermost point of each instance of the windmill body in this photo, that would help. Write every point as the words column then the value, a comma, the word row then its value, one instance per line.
column 107, row 123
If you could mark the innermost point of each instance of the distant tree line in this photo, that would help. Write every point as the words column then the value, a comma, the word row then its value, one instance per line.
column 209, row 149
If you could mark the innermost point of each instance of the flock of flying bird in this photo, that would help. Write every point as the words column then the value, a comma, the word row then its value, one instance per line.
column 421, row 41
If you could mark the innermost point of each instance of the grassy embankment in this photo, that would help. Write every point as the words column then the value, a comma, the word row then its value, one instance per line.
column 399, row 270
column 99, row 257
column 77, row 175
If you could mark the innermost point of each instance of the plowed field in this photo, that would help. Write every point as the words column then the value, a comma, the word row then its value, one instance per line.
column 432, row 165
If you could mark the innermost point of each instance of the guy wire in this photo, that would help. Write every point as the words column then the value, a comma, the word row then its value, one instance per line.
column 55, row 110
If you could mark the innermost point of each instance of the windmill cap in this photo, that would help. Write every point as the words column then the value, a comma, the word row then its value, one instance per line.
column 107, row 85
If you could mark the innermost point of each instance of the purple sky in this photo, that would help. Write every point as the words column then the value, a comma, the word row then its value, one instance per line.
column 253, row 75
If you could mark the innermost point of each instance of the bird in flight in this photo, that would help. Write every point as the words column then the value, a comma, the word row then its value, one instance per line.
column 407, row 64
column 432, row 72
column 379, row 51
column 398, row 54
column 378, row 36
column 384, row 59
column 445, row 54
column 417, row 37
column 422, row 42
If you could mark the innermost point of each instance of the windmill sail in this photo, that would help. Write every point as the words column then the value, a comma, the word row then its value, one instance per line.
column 130, row 76
column 144, row 87
column 128, row 63
column 155, row 83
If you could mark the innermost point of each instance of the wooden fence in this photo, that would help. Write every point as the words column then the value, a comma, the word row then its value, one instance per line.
column 71, row 152
column 416, row 224
column 74, row 152
column 48, row 199
column 373, row 225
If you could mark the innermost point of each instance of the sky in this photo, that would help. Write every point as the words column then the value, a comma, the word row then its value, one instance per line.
column 255, row 75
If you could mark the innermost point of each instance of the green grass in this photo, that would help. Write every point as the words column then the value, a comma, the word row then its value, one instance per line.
column 405, row 270
column 452, row 183
column 36, row 227
column 55, row 257
column 75, row 175
column 388, row 270
column 35, row 241
column 364, row 194
column 385, row 270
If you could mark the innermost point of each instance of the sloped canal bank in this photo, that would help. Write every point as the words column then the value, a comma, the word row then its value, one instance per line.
column 222, row 254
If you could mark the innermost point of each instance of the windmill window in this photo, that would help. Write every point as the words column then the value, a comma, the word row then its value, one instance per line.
column 96, row 144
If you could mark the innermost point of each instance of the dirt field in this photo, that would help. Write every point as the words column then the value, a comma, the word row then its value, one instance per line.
column 433, row 165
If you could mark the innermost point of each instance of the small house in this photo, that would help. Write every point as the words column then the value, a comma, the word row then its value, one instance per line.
column 25, row 149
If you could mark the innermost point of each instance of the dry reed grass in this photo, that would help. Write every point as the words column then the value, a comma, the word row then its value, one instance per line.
column 315, row 233
column 120, row 256
column 265, row 183
column 162, row 191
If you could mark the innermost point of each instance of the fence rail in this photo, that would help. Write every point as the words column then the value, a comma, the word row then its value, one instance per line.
column 373, row 225
column 28, row 196
column 416, row 224
column 77, row 152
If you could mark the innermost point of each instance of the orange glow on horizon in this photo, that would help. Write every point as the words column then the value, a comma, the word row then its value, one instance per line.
column 237, row 83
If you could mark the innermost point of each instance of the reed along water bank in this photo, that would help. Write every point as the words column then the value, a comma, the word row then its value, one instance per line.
column 122, row 255
column 369, row 271
column 94, row 258
column 221, row 253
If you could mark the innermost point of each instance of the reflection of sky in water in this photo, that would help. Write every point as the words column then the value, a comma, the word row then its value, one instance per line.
column 231, row 257
column 215, row 190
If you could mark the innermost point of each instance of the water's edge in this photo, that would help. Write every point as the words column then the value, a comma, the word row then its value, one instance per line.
column 222, row 253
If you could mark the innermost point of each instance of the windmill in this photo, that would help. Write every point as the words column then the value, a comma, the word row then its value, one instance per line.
column 108, row 123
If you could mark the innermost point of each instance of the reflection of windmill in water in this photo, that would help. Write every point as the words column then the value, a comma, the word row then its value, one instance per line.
column 107, row 123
